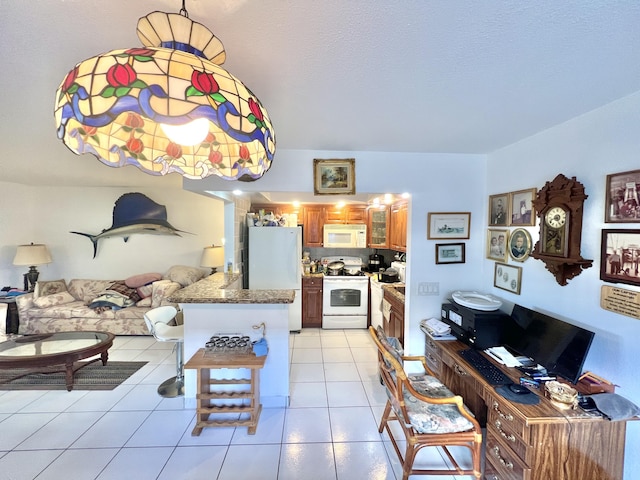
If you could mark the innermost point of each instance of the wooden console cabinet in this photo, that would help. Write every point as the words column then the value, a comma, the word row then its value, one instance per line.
column 531, row 442
column 312, row 302
column 393, row 325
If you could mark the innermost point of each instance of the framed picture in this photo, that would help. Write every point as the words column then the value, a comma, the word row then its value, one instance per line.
column 448, row 225
column 623, row 205
column 449, row 253
column 507, row 277
column 499, row 210
column 497, row 243
column 620, row 256
column 334, row 177
column 520, row 244
column 522, row 211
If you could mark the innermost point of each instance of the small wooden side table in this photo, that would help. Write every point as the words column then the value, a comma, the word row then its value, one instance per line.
column 206, row 397
column 12, row 321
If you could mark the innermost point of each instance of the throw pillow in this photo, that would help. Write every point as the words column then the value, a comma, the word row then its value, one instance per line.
column 145, row 302
column 145, row 291
column 48, row 288
column 161, row 290
column 54, row 299
column 142, row 279
column 184, row 275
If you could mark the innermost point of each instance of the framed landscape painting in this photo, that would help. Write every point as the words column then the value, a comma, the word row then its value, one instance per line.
column 334, row 177
column 448, row 225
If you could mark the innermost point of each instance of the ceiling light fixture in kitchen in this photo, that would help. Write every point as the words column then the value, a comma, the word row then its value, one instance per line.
column 124, row 106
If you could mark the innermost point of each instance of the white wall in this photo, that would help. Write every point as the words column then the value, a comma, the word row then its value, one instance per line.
column 589, row 147
column 48, row 214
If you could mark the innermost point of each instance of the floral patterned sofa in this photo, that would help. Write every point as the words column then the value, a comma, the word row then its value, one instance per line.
column 100, row 305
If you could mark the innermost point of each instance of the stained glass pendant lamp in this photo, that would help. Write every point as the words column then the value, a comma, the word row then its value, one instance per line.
column 129, row 107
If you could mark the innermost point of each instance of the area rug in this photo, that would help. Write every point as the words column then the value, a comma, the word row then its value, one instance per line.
column 93, row 376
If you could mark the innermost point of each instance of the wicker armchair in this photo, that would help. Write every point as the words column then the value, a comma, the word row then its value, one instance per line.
column 428, row 413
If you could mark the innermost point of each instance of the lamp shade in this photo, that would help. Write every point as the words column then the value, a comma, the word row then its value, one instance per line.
column 124, row 106
column 37, row 254
column 212, row 257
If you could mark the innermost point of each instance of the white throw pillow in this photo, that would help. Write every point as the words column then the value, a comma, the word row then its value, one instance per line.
column 54, row 300
column 185, row 275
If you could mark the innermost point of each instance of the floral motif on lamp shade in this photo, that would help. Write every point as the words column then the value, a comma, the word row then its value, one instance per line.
column 114, row 106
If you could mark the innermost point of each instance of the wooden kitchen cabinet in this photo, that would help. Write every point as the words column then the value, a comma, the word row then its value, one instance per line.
column 393, row 324
column 346, row 214
column 313, row 225
column 378, row 226
column 312, row 302
column 398, row 233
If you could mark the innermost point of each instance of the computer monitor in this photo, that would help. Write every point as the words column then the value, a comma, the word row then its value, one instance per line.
column 558, row 346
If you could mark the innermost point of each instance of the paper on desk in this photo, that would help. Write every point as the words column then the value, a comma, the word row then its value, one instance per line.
column 501, row 355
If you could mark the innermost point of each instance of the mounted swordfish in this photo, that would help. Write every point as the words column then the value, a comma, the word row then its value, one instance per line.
column 135, row 213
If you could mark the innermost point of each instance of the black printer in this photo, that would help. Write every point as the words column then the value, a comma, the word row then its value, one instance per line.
column 477, row 328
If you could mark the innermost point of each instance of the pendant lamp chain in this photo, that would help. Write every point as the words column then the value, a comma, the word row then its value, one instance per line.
column 183, row 10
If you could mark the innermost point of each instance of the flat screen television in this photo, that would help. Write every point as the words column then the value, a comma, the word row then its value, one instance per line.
column 558, row 346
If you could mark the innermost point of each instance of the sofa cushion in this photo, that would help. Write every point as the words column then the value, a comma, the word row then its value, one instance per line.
column 145, row 302
column 184, row 275
column 49, row 287
column 88, row 290
column 161, row 290
column 142, row 279
column 75, row 309
column 54, row 299
column 145, row 291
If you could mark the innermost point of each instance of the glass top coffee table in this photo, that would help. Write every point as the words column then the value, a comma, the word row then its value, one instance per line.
column 48, row 350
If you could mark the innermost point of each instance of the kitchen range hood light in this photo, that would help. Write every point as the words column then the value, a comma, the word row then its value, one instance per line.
column 122, row 106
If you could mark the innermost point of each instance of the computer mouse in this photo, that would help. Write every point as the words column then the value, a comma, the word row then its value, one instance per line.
column 518, row 389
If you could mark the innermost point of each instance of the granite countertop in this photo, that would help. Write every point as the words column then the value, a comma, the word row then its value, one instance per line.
column 213, row 289
column 391, row 288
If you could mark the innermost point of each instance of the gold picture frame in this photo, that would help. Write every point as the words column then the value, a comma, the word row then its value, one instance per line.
column 522, row 210
column 520, row 244
column 497, row 244
column 334, row 177
column 499, row 213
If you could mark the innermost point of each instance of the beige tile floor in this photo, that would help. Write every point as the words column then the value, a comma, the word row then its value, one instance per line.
column 329, row 431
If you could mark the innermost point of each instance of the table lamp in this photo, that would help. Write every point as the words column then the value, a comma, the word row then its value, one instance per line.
column 32, row 255
column 212, row 257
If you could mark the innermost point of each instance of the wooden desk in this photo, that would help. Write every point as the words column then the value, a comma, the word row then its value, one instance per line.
column 531, row 442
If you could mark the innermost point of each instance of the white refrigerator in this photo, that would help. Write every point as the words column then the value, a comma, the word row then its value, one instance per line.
column 275, row 256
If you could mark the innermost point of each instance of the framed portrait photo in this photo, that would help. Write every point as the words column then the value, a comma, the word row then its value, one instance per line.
column 449, row 253
column 499, row 210
column 623, row 204
column 620, row 256
column 520, row 244
column 522, row 211
column 334, row 177
column 448, row 225
column 507, row 277
column 497, row 244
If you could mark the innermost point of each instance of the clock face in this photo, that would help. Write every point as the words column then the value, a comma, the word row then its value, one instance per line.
column 554, row 232
column 556, row 217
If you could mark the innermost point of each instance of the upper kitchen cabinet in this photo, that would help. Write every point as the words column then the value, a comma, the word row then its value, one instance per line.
column 278, row 209
column 314, row 219
column 346, row 214
column 378, row 226
column 398, row 234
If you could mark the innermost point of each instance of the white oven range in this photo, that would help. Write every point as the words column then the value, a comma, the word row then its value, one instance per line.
column 345, row 297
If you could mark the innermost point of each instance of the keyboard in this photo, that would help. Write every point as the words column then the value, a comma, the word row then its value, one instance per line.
column 488, row 370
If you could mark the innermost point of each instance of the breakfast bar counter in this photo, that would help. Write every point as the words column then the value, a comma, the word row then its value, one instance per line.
column 213, row 306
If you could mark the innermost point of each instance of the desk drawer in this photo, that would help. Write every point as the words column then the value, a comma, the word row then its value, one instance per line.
column 500, row 429
column 432, row 354
column 503, row 464
column 510, row 422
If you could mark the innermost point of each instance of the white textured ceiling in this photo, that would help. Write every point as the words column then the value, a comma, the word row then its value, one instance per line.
column 358, row 75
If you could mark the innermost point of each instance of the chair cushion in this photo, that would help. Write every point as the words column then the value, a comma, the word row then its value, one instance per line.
column 391, row 344
column 429, row 418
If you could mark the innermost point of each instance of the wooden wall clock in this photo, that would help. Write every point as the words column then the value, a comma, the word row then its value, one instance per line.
column 559, row 205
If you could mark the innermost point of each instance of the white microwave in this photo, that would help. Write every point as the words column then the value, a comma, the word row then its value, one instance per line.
column 345, row 236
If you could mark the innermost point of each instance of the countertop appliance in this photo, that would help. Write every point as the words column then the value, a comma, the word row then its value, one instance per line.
column 274, row 264
column 345, row 297
column 345, row 236
column 401, row 267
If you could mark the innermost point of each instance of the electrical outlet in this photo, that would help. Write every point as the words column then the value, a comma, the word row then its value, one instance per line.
column 428, row 288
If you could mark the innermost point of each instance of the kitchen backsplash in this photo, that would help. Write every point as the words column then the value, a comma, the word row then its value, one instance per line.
column 363, row 253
